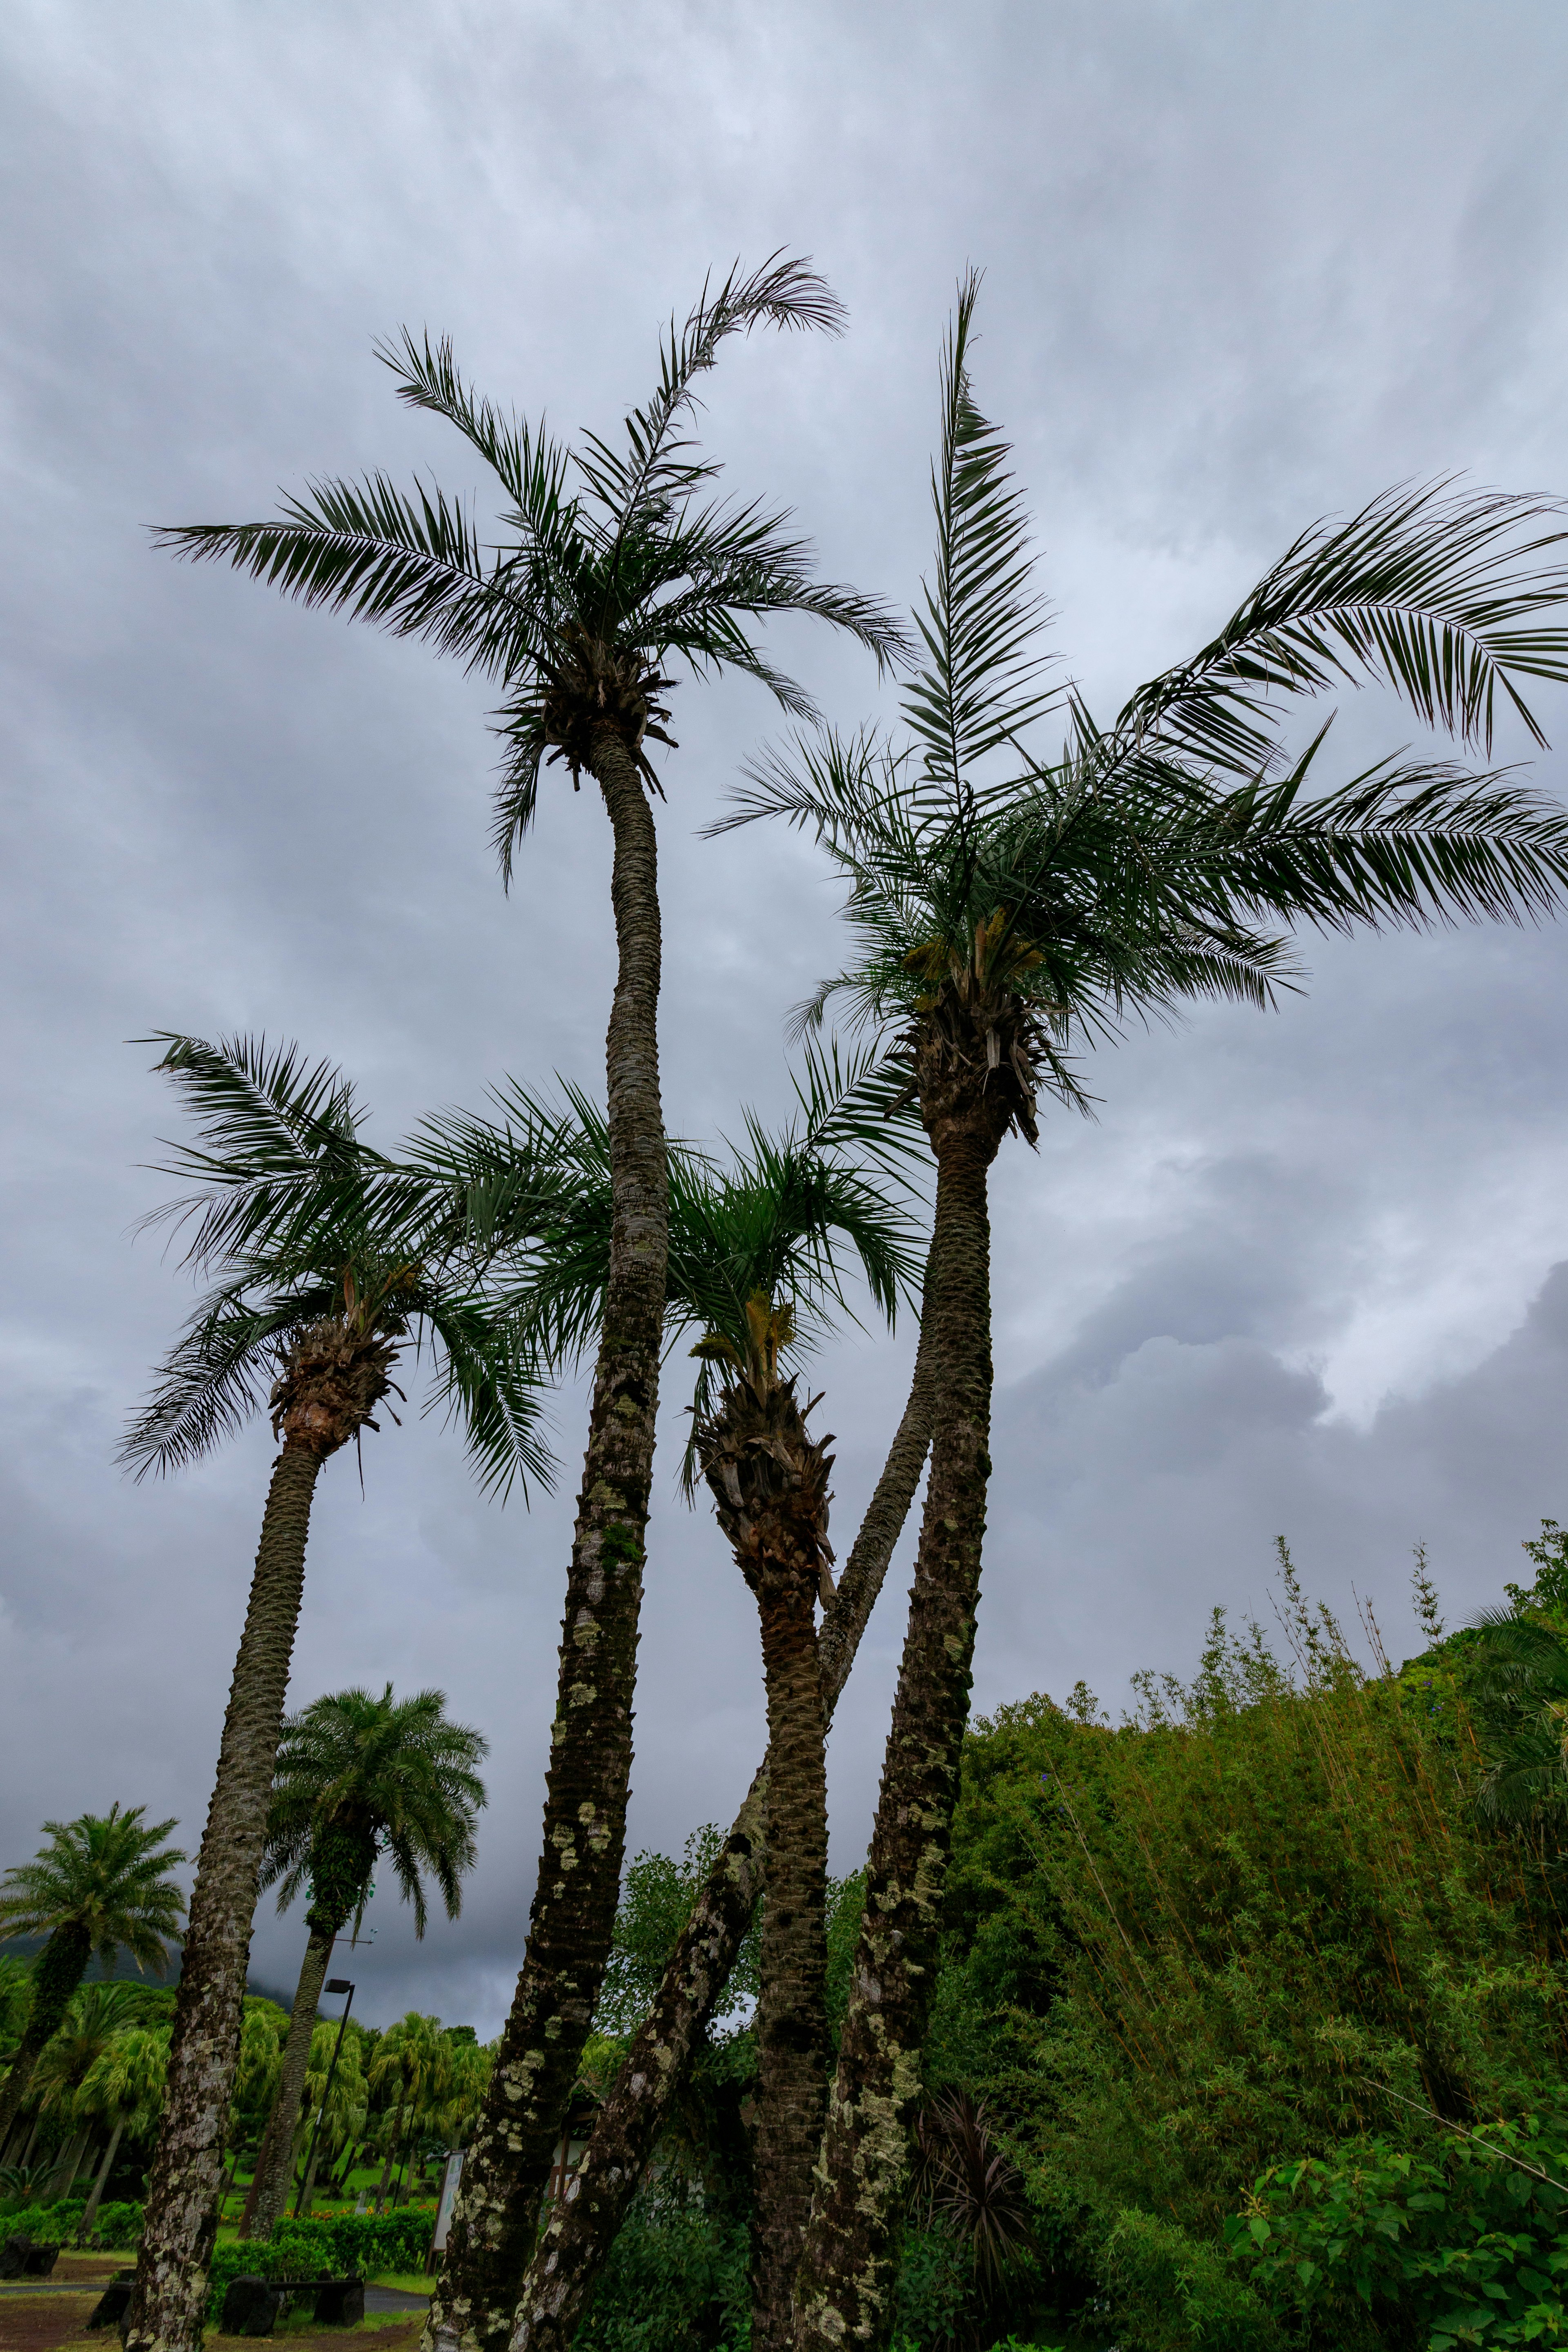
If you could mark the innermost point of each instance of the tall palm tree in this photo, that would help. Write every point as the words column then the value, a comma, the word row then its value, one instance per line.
column 123, row 2090
column 1008, row 907
column 337, row 2094
column 616, row 564
column 321, row 1288
column 754, row 1266
column 103, row 1885
column 580, row 2232
column 357, row 1776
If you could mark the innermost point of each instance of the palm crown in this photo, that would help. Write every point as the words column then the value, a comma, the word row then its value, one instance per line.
column 616, row 560
column 108, row 1874
column 1003, row 902
column 529, row 1192
column 323, row 1275
column 359, row 1776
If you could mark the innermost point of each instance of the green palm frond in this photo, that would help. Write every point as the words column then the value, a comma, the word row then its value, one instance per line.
column 307, row 1225
column 981, row 621
column 106, row 1873
column 1437, row 593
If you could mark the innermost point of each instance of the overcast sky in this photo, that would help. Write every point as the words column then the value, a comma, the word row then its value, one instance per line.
column 1307, row 1274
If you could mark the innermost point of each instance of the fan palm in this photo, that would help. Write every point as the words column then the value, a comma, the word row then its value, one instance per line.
column 618, row 562
column 1008, row 909
column 754, row 1267
column 103, row 1885
column 357, row 1776
column 321, row 1288
column 123, row 2089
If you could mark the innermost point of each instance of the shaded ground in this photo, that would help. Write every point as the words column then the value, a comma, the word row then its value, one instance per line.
column 45, row 2322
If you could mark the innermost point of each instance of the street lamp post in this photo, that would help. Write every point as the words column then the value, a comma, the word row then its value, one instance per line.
column 333, row 1984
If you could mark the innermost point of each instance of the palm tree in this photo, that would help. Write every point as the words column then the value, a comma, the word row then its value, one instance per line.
column 357, row 1776
column 615, row 563
column 1007, row 907
column 580, row 2232
column 754, row 1266
column 103, row 1885
column 321, row 1286
column 413, row 2069
column 338, row 2095
column 96, row 2014
column 123, row 2088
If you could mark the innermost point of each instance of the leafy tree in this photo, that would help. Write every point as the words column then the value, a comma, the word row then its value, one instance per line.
column 336, row 2103
column 1008, row 909
column 616, row 562
column 123, row 2089
column 413, row 2069
column 321, row 1287
column 357, row 1776
column 103, row 1885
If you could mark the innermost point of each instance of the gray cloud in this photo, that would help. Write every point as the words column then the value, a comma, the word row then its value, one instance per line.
column 1244, row 267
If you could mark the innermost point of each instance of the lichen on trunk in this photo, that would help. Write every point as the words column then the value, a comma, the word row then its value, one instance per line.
column 843, row 2288
column 507, row 2168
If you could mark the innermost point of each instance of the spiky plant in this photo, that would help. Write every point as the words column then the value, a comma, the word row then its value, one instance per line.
column 617, row 567
column 323, row 1282
column 1010, row 909
column 356, row 1777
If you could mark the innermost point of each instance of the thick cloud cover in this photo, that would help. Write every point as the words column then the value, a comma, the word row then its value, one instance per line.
column 1303, row 1275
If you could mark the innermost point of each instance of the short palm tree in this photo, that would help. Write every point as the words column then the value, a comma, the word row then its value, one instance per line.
column 1008, row 907
column 103, row 1885
column 617, row 565
column 357, row 1776
column 122, row 2091
column 96, row 2014
column 337, row 2097
column 321, row 1288
column 755, row 1267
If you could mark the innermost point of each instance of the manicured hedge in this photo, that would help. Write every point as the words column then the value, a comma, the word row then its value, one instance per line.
column 54, row 2225
column 358, row 2245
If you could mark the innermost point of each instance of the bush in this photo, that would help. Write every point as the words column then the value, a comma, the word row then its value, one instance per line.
column 356, row 2245
column 674, row 2280
column 1468, row 2246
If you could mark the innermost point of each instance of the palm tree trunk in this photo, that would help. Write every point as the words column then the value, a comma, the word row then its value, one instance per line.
column 391, row 2157
column 791, row 2015
column 99, row 2186
column 496, row 2217
column 169, row 2299
column 62, row 2180
column 580, row 2232
column 844, row 2289
column 60, row 1969
column 269, row 2192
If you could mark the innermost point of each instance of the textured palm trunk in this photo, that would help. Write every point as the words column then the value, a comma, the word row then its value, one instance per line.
column 269, row 2192
column 507, row 2170
column 793, row 2045
column 102, row 2182
column 62, row 2180
column 581, row 2226
column 844, row 2289
column 169, row 2301
column 386, row 2170
column 61, row 1965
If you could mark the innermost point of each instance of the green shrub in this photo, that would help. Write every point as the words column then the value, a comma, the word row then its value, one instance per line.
column 676, row 2278
column 1172, row 2292
column 1465, row 2246
column 354, row 2245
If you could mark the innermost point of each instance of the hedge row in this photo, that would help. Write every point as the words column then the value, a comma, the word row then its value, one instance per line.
column 357, row 2245
column 53, row 2225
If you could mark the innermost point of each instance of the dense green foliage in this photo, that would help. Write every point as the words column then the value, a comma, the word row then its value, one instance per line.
column 349, row 2245
column 1262, row 2009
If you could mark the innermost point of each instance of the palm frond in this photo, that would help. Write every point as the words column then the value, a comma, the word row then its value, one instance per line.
column 1436, row 593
